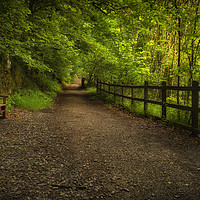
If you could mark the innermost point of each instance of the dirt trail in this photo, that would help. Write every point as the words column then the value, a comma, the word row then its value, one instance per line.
column 84, row 150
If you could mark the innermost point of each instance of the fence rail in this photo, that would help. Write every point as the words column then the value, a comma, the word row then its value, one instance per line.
column 194, row 89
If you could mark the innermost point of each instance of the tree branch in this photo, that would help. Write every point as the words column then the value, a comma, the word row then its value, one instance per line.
column 99, row 8
column 36, row 5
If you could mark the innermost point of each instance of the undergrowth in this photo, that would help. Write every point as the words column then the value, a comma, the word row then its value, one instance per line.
column 31, row 99
column 91, row 89
column 34, row 95
column 173, row 115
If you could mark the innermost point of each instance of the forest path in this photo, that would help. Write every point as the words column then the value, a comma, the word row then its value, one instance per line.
column 82, row 149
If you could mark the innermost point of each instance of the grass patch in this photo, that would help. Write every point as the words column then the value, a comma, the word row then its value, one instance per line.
column 31, row 99
column 179, row 116
column 138, row 107
column 91, row 89
column 173, row 115
column 154, row 110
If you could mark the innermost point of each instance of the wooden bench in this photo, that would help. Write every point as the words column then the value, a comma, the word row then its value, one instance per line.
column 3, row 106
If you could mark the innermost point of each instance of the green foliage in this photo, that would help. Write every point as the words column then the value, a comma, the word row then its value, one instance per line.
column 91, row 89
column 47, row 84
column 154, row 110
column 31, row 99
column 174, row 115
column 49, row 42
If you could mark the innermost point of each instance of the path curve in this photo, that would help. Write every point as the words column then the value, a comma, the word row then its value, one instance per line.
column 82, row 149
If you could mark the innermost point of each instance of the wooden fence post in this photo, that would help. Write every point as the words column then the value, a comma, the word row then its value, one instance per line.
column 97, row 85
column 178, row 101
column 100, row 87
column 195, row 105
column 114, row 93
column 83, row 83
column 109, row 88
column 122, row 94
column 132, row 96
column 164, row 98
column 145, row 97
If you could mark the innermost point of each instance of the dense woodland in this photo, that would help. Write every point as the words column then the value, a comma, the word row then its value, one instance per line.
column 47, row 42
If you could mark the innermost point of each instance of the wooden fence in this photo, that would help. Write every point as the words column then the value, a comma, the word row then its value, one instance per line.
column 194, row 89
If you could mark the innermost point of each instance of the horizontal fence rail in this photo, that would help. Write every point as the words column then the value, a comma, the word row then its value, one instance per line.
column 119, row 90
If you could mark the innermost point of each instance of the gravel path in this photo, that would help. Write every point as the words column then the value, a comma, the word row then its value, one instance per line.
column 82, row 149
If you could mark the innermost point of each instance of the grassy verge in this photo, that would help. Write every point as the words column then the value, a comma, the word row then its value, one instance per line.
column 31, row 99
column 91, row 89
column 155, row 111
